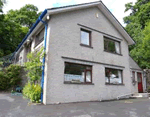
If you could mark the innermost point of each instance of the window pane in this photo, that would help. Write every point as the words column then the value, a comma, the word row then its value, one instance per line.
column 113, row 76
column 76, row 73
column 88, row 76
column 107, row 71
column 111, row 46
column 39, row 37
column 106, row 45
column 85, row 37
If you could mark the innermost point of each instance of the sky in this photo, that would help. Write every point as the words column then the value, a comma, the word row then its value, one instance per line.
column 117, row 7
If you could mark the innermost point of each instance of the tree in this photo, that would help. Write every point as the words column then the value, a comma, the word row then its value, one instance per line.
column 145, row 50
column 14, row 26
column 1, row 25
column 136, row 23
column 25, row 16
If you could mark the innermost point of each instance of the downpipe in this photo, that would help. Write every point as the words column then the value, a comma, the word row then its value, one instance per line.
column 43, row 62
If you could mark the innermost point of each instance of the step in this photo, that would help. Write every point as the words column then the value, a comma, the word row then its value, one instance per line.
column 140, row 95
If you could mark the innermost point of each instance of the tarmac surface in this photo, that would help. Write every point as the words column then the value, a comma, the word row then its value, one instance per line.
column 16, row 106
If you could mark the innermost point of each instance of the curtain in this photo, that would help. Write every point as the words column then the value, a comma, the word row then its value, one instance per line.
column 117, row 47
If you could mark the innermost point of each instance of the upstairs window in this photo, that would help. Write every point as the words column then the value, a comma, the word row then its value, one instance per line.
column 76, row 73
column 85, row 37
column 113, row 76
column 111, row 46
column 39, row 37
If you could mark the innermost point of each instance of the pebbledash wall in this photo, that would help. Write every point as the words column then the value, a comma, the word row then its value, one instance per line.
column 64, row 43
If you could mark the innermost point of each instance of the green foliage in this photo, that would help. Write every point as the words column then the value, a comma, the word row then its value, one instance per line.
column 148, row 89
column 33, row 66
column 4, row 81
column 13, row 72
column 136, row 24
column 25, row 16
column 145, row 48
column 1, row 5
column 10, row 77
column 32, row 91
column 14, row 26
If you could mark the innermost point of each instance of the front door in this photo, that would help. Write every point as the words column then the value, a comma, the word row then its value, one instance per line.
column 139, row 79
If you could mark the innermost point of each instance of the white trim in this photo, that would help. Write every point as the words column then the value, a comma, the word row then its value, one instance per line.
column 112, row 38
column 71, row 8
column 113, row 67
column 78, row 62
column 115, row 23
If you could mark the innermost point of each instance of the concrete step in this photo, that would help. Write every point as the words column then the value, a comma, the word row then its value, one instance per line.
column 140, row 95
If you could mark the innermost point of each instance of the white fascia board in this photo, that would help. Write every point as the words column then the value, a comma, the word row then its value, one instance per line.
column 116, row 23
column 71, row 8
column 33, row 32
column 36, row 28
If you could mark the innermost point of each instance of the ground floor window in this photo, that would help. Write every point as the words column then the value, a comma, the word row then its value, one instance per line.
column 113, row 76
column 76, row 73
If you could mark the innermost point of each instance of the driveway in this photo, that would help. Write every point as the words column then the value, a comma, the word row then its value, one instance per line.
column 16, row 106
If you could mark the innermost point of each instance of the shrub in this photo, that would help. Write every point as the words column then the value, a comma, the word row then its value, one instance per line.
column 33, row 66
column 148, row 89
column 13, row 73
column 4, row 81
column 10, row 77
column 32, row 91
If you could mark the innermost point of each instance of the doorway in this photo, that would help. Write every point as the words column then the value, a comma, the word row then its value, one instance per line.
column 140, row 85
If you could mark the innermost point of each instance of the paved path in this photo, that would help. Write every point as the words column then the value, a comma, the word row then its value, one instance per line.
column 16, row 106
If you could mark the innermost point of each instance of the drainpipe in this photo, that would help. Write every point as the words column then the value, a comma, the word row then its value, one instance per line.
column 43, row 65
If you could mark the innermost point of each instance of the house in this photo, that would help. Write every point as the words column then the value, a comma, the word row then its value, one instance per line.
column 87, row 55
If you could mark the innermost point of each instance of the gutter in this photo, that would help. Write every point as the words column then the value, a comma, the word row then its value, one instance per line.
column 43, row 65
column 30, row 31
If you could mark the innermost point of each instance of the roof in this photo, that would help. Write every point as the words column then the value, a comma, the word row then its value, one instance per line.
column 133, row 64
column 56, row 10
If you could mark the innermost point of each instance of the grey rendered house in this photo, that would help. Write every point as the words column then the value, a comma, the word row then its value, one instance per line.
column 87, row 57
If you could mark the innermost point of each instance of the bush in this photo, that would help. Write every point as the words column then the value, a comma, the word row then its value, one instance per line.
column 10, row 77
column 32, row 91
column 33, row 66
column 13, row 73
column 4, row 81
column 148, row 89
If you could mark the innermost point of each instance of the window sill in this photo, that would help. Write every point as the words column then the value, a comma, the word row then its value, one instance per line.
column 79, row 83
column 86, row 46
column 114, row 84
column 113, row 53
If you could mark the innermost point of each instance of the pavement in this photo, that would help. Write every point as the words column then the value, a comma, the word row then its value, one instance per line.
column 16, row 106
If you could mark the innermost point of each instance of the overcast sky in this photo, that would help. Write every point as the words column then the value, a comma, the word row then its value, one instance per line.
column 117, row 7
